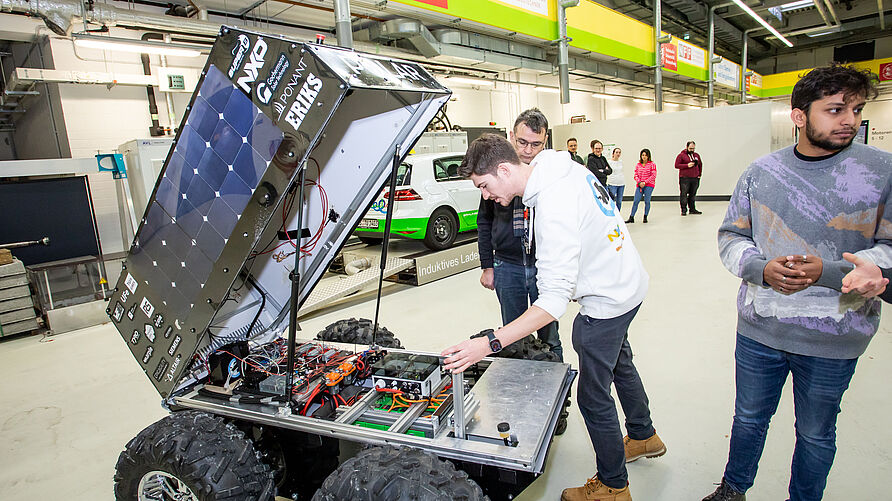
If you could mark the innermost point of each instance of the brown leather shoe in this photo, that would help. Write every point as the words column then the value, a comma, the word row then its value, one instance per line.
column 594, row 490
column 636, row 449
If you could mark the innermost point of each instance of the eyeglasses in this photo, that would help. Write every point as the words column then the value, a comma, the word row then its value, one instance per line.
column 597, row 148
column 524, row 143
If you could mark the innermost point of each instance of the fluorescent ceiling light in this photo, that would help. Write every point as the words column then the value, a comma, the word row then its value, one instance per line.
column 603, row 96
column 640, row 100
column 674, row 105
column 800, row 4
column 470, row 81
column 835, row 29
column 136, row 46
column 550, row 90
column 761, row 21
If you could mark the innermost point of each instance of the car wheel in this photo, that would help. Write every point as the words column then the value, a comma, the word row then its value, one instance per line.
column 442, row 228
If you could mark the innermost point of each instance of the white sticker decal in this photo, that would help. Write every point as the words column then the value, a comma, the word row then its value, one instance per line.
column 131, row 283
column 147, row 307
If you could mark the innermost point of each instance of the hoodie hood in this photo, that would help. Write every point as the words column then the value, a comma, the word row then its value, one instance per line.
column 549, row 167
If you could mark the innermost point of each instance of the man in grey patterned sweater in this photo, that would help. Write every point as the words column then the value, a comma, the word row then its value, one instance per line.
column 791, row 217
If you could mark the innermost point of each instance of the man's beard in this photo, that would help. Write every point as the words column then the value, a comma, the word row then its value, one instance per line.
column 825, row 143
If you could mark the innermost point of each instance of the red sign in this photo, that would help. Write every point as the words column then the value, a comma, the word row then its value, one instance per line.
column 748, row 83
column 443, row 4
column 669, row 56
column 886, row 71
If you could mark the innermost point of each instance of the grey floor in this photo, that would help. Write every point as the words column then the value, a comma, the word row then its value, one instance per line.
column 69, row 403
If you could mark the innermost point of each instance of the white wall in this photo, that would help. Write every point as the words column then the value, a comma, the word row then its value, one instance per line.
column 728, row 138
column 879, row 131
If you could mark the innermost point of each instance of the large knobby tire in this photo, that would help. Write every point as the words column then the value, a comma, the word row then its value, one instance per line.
column 391, row 474
column 358, row 331
column 442, row 228
column 199, row 456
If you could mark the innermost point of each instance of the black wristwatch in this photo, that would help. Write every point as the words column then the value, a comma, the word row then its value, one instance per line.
column 494, row 344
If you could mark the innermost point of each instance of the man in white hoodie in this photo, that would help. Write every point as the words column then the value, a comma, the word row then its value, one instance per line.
column 584, row 253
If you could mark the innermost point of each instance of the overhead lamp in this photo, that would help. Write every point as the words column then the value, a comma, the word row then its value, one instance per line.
column 835, row 29
column 800, row 4
column 674, row 105
column 136, row 46
column 603, row 96
column 640, row 100
column 549, row 90
column 470, row 81
column 746, row 8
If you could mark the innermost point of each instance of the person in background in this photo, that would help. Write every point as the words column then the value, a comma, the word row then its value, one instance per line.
column 508, row 266
column 645, row 180
column 572, row 146
column 690, row 168
column 597, row 164
column 615, row 181
column 791, row 216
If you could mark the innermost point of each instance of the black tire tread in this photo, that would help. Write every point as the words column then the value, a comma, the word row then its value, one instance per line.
column 391, row 474
column 209, row 454
column 358, row 331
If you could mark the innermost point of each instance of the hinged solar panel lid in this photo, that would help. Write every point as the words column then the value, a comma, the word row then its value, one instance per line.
column 264, row 109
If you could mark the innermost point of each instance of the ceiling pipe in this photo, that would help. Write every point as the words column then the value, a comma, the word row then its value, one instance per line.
column 563, row 49
column 819, row 5
column 832, row 11
column 343, row 26
column 880, row 10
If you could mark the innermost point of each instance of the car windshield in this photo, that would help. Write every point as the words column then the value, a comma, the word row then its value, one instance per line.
column 404, row 174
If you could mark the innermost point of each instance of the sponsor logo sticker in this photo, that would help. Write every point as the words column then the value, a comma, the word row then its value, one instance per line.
column 238, row 54
column 131, row 283
column 147, row 307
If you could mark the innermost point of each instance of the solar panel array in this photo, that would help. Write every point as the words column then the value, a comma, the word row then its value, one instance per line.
column 223, row 150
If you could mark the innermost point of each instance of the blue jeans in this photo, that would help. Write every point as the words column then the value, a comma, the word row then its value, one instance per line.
column 818, row 385
column 516, row 289
column 617, row 193
column 605, row 358
column 646, row 192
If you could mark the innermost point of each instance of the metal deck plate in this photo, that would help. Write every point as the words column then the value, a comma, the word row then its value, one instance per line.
column 334, row 288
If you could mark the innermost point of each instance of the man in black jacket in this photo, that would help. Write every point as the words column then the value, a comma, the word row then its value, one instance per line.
column 504, row 239
column 597, row 164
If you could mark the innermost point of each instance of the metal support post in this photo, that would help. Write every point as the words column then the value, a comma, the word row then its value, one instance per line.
column 564, row 49
column 458, row 404
column 658, row 62
column 343, row 26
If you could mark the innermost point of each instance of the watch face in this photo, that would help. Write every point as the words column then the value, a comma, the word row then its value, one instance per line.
column 495, row 345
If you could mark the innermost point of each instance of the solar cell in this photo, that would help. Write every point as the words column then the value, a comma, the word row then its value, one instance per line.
column 223, row 151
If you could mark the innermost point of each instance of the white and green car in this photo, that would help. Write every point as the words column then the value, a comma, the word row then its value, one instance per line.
column 432, row 203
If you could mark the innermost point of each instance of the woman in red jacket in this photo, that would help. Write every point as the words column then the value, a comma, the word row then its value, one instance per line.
column 645, row 179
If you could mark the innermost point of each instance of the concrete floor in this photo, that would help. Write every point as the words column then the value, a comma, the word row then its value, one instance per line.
column 71, row 402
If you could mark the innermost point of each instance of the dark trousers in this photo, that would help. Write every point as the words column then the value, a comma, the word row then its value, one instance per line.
column 818, row 386
column 687, row 188
column 516, row 289
column 605, row 357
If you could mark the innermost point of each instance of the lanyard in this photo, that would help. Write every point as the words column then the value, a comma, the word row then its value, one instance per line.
column 527, row 230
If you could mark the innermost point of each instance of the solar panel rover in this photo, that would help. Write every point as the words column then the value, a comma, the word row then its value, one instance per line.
column 263, row 107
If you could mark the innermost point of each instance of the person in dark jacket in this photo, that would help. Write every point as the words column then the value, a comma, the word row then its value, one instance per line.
column 597, row 164
column 690, row 167
column 572, row 146
column 508, row 262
